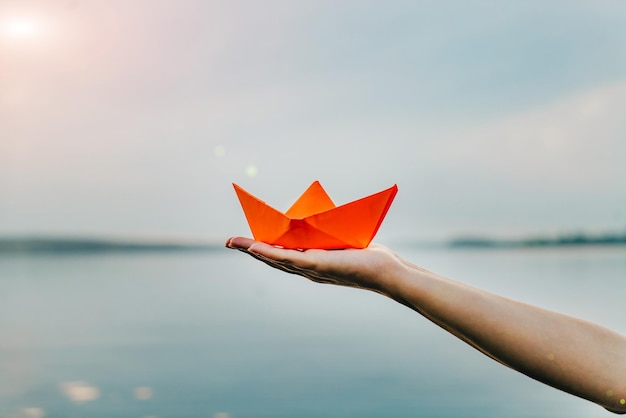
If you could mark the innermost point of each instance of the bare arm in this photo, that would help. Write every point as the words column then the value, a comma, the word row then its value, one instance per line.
column 570, row 354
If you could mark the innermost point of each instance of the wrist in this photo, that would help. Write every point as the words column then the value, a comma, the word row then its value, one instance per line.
column 404, row 281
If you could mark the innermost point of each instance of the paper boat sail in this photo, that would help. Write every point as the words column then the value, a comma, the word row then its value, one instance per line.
column 315, row 222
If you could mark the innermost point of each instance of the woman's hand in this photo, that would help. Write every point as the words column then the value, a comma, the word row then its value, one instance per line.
column 373, row 268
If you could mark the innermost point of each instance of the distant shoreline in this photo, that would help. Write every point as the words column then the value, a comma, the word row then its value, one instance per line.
column 67, row 245
column 572, row 240
column 94, row 245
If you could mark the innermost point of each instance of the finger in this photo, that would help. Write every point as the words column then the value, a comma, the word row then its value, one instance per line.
column 239, row 242
column 273, row 263
column 243, row 244
column 288, row 267
column 302, row 259
column 290, row 261
column 294, row 269
column 282, row 255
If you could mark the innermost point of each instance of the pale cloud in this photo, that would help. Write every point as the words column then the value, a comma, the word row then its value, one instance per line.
column 573, row 143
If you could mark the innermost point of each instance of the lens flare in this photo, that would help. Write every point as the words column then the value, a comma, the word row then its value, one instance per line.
column 20, row 28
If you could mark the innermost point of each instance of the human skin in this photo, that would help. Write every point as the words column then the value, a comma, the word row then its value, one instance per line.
column 568, row 353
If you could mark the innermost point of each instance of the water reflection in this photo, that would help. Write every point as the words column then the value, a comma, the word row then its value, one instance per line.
column 79, row 391
column 28, row 413
column 142, row 393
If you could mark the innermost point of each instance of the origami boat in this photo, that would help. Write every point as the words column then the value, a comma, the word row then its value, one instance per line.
column 315, row 222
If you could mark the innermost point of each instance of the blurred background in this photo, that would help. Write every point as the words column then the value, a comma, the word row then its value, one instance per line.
column 133, row 117
column 129, row 120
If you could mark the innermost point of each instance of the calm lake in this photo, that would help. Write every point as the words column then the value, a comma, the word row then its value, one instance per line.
column 220, row 335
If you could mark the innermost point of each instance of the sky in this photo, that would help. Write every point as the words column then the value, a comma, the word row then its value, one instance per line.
column 133, row 118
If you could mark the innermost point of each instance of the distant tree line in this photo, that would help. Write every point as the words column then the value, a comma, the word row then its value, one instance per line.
column 577, row 239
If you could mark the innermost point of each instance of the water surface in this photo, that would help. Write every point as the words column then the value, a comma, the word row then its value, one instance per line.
column 217, row 334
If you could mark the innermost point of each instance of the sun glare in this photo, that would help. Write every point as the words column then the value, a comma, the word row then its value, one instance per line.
column 20, row 28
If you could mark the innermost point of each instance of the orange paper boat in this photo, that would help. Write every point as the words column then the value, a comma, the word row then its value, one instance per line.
column 315, row 222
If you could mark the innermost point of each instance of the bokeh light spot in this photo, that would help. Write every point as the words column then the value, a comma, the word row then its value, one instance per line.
column 252, row 171
column 20, row 28
column 219, row 151
column 79, row 391
column 143, row 393
column 29, row 413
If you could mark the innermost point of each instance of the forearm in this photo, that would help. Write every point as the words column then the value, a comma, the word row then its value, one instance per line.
column 567, row 353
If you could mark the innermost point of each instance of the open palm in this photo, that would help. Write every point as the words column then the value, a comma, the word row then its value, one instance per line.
column 367, row 268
